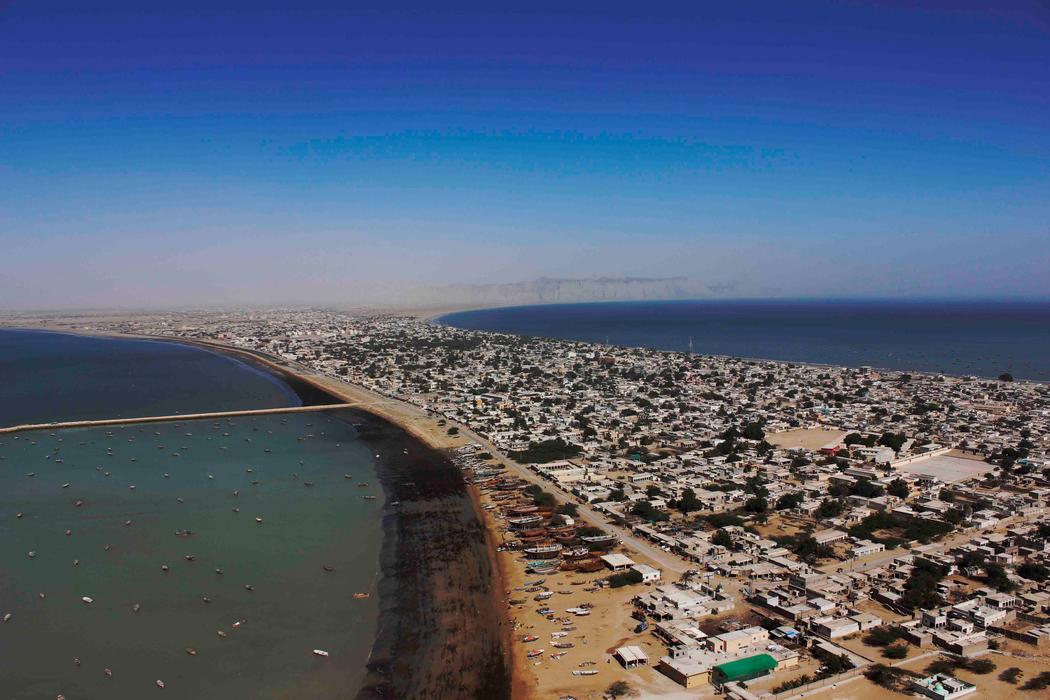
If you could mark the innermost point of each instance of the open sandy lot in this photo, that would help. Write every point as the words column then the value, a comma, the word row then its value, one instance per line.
column 808, row 438
column 947, row 468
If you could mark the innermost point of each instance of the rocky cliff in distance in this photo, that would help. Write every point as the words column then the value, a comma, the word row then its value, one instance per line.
column 548, row 290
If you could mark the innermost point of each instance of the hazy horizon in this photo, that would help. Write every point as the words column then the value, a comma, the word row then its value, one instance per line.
column 224, row 153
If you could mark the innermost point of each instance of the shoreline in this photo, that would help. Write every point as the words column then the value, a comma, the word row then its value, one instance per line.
column 426, row 642
column 435, row 318
column 407, row 659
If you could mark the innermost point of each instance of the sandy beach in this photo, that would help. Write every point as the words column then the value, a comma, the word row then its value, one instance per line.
column 595, row 636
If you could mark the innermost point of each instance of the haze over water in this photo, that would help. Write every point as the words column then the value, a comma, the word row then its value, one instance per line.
column 959, row 338
column 295, row 605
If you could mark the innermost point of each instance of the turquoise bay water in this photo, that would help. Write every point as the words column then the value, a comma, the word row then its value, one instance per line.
column 185, row 476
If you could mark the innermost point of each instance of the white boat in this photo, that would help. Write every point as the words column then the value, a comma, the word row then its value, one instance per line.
column 544, row 551
column 589, row 672
column 87, row 600
column 320, row 652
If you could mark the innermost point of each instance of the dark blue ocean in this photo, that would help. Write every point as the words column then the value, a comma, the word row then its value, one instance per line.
column 959, row 338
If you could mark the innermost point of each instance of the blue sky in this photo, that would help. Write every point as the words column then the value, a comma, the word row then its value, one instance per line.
column 218, row 153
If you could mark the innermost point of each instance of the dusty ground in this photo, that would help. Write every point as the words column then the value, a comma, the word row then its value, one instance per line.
column 948, row 468
column 809, row 438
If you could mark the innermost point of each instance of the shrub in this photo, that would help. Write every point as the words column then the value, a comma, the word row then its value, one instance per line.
column 981, row 666
column 881, row 636
column 897, row 651
column 624, row 578
column 1010, row 675
column 1040, row 682
column 620, row 689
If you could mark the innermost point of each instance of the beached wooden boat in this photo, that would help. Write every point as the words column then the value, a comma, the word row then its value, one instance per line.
column 524, row 521
column 543, row 567
column 544, row 551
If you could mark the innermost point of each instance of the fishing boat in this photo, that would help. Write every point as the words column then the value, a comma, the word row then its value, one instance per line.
column 529, row 638
column 534, row 653
column 544, row 596
column 543, row 567
column 544, row 551
column 524, row 521
column 535, row 532
column 587, row 672
column 361, row 595
column 320, row 652
column 599, row 540
column 563, row 645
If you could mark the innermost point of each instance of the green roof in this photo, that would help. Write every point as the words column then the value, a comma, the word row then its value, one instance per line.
column 745, row 668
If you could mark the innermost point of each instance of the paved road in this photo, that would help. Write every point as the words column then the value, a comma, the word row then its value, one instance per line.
column 666, row 560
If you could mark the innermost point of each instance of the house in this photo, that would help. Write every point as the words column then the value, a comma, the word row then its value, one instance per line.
column 743, row 669
column 828, row 536
column 834, row 627
column 733, row 642
column 648, row 573
column 631, row 657
column 941, row 686
column 617, row 562
column 865, row 547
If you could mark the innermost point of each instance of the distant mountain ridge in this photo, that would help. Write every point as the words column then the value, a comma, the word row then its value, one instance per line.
column 551, row 290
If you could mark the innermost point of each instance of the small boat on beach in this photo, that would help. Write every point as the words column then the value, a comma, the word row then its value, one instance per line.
column 534, row 653
column 529, row 638
column 547, row 550
column 588, row 672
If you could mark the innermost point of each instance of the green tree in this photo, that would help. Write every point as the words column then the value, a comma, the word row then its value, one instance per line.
column 1010, row 675
column 995, row 576
column 689, row 502
column 756, row 504
column 1033, row 571
column 897, row 651
column 899, row 488
column 722, row 539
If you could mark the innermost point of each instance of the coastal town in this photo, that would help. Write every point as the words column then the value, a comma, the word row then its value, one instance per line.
column 679, row 525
